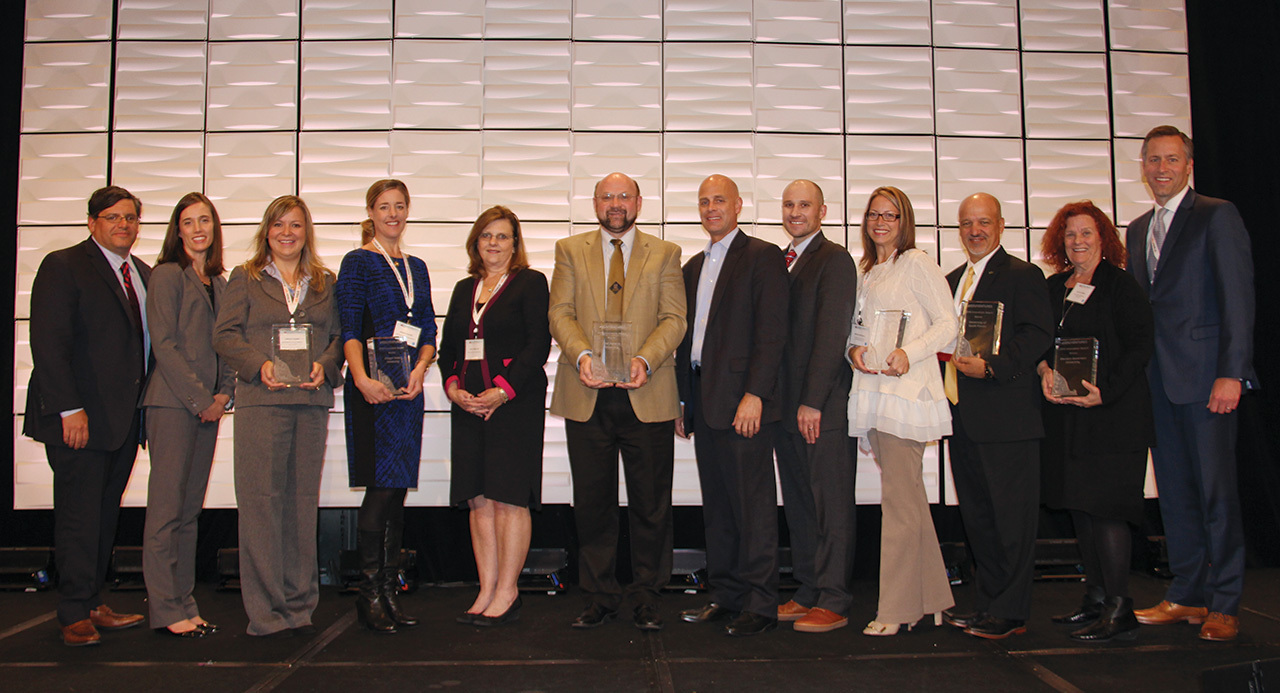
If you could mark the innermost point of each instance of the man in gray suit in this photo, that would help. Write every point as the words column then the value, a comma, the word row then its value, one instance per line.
column 1191, row 253
column 815, row 458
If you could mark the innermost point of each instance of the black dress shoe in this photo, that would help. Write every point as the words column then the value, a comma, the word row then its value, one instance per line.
column 467, row 618
column 706, row 614
column 1115, row 622
column 1088, row 612
column 194, row 633
column 511, row 615
column 594, row 616
column 748, row 623
column 996, row 628
column 647, row 618
column 962, row 620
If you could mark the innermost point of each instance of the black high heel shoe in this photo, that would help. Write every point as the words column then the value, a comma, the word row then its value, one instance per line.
column 207, row 627
column 509, row 616
column 193, row 634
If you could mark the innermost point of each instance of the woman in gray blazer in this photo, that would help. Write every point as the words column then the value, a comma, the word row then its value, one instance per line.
column 282, row 292
column 187, row 393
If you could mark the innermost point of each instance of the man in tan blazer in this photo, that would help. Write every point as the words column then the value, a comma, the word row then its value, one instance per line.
column 619, row 273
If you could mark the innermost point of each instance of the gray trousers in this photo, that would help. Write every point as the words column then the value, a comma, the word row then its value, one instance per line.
column 181, row 454
column 279, row 453
column 818, row 497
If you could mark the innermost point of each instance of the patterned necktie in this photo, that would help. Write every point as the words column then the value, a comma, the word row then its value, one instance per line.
column 613, row 304
column 1155, row 241
column 950, row 380
column 791, row 257
column 133, row 304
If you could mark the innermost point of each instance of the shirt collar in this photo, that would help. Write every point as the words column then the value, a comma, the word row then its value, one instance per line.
column 114, row 260
column 628, row 238
column 1175, row 201
column 981, row 265
column 805, row 243
column 723, row 243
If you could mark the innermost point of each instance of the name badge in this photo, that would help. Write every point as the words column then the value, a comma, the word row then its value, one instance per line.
column 474, row 350
column 407, row 333
column 861, row 335
column 1080, row 293
column 293, row 338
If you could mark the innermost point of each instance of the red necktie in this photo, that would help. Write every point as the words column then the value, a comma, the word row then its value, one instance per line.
column 791, row 257
column 133, row 304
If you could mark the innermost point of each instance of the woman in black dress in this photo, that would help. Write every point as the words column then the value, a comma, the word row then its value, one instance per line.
column 494, row 346
column 384, row 293
column 1094, row 454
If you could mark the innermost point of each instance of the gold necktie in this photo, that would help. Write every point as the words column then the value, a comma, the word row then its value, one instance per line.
column 949, row 381
column 613, row 301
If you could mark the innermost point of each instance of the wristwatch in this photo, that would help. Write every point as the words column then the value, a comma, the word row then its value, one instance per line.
column 989, row 373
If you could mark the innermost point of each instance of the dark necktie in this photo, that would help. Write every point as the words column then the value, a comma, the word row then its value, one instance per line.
column 133, row 305
column 613, row 304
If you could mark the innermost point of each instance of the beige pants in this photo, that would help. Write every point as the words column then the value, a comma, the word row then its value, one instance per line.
column 913, row 580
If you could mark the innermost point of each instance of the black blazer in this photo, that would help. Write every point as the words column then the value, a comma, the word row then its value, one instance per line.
column 517, row 339
column 85, row 348
column 1007, row 407
column 1118, row 315
column 814, row 372
column 746, row 332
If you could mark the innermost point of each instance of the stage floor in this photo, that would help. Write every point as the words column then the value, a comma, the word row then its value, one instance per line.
column 541, row 653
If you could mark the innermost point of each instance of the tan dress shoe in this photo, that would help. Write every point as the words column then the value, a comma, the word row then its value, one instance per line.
column 106, row 619
column 1166, row 613
column 1220, row 628
column 80, row 633
column 820, row 620
column 791, row 611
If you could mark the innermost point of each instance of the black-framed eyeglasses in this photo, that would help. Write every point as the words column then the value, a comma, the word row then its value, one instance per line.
column 887, row 216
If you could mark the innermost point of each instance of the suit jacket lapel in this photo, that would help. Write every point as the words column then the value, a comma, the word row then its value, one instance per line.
column 189, row 275
column 987, row 284
column 1175, row 231
column 594, row 260
column 731, row 258
column 809, row 251
column 639, row 256
column 104, row 270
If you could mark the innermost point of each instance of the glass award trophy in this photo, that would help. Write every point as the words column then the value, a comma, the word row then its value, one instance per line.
column 390, row 360
column 1074, row 359
column 291, row 352
column 979, row 328
column 885, row 334
column 611, row 352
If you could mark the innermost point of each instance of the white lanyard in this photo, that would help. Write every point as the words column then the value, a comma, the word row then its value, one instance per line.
column 292, row 296
column 406, row 291
column 478, row 312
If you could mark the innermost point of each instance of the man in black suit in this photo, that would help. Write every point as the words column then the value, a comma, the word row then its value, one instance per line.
column 996, row 425
column 1191, row 253
column 815, row 457
column 89, row 348
column 727, row 375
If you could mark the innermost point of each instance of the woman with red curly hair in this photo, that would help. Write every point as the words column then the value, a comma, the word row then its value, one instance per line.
column 1094, row 454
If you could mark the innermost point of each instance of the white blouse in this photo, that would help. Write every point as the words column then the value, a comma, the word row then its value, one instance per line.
column 912, row 406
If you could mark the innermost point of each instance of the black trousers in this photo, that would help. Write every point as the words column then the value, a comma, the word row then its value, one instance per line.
column 647, row 451
column 87, row 486
column 740, row 514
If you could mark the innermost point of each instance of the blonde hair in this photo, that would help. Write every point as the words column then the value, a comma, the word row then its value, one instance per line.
column 310, row 263
column 370, row 197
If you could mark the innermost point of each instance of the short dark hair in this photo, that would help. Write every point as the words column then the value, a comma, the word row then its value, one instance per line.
column 1168, row 131
column 105, row 198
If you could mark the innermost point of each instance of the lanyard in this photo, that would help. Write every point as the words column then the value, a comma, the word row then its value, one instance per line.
column 292, row 297
column 406, row 291
column 476, row 329
column 478, row 313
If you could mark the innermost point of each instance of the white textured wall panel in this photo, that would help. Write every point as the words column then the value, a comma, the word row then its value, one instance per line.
column 245, row 171
column 435, row 19
column 1132, row 195
column 1065, row 95
column 978, row 93
column 617, row 20
column 437, row 84
column 239, row 20
column 526, row 84
column 1062, row 25
column 888, row 90
column 1064, row 171
column 160, row 86
column 158, row 167
column 68, row 20
column 708, row 20
column 253, row 86
column 906, row 163
column 691, row 157
column 163, row 20
column 975, row 23
column 888, row 22
column 56, row 174
column 637, row 154
column 442, row 170
column 528, row 19
column 970, row 165
column 336, row 168
column 617, row 86
column 709, row 86
column 1149, row 89
column 797, row 88
column 1149, row 25
column 781, row 159
column 330, row 20
column 527, row 171
column 346, row 85
column 64, row 87
column 798, row 21
column 33, row 244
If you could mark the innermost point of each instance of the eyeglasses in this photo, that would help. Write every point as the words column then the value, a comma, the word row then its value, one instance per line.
column 114, row 218
column 887, row 216
column 502, row 237
column 620, row 197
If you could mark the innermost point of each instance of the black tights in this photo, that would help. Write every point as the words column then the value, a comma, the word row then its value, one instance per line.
column 381, row 508
column 1105, row 550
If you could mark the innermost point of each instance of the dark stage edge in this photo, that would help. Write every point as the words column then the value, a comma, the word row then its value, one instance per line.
column 541, row 653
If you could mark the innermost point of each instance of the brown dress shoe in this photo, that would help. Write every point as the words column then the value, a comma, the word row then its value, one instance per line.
column 106, row 619
column 80, row 633
column 820, row 620
column 1166, row 613
column 1220, row 628
column 791, row 611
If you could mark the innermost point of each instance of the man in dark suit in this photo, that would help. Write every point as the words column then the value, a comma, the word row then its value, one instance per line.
column 618, row 273
column 89, row 348
column 1191, row 253
column 727, row 373
column 996, row 425
column 815, row 457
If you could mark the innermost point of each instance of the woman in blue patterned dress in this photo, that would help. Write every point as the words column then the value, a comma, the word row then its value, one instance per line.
column 383, row 292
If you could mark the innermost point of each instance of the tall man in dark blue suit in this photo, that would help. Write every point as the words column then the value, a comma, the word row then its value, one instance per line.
column 89, row 348
column 1191, row 253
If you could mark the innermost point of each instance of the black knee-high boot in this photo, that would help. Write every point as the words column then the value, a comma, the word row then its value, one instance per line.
column 370, row 608
column 391, row 572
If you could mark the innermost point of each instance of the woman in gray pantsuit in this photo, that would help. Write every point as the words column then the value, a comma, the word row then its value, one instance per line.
column 187, row 393
column 280, row 429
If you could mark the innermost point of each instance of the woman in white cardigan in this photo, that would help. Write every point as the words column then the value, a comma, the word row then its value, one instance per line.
column 898, row 405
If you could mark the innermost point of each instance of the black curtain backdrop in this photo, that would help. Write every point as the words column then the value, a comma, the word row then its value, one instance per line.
column 1235, row 96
